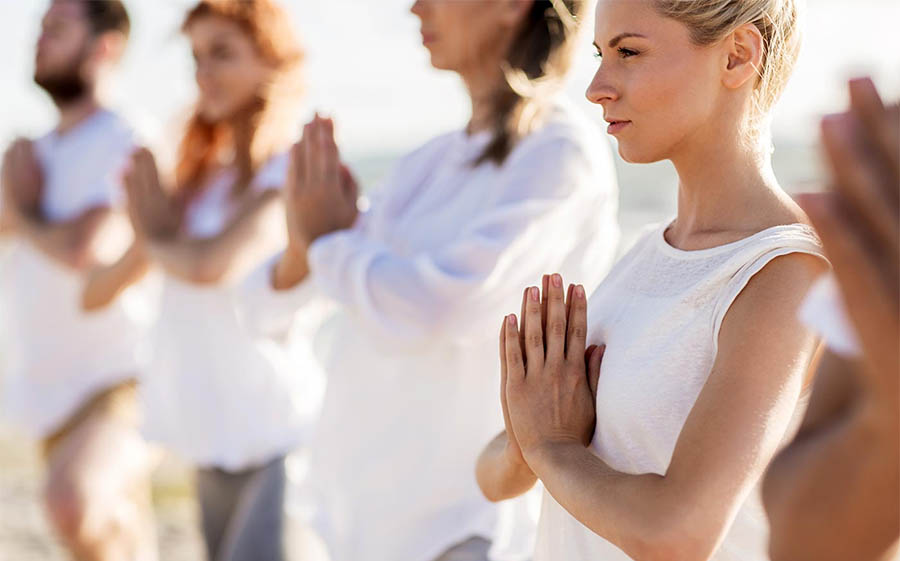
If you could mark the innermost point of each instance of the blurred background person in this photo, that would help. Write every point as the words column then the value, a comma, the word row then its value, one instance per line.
column 70, row 373
column 231, row 407
column 834, row 492
column 420, row 277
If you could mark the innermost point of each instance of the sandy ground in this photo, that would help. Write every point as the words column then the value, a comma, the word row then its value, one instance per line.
column 26, row 536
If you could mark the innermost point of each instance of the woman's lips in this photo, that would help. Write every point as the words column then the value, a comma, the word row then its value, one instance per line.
column 427, row 38
column 616, row 127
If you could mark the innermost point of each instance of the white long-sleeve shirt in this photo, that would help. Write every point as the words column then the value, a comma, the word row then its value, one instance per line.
column 423, row 281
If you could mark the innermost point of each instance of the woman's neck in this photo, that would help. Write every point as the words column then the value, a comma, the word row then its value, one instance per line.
column 726, row 186
column 482, row 85
column 243, row 130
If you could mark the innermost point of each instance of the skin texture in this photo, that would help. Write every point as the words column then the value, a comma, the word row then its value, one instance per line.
column 469, row 38
column 752, row 391
column 843, row 469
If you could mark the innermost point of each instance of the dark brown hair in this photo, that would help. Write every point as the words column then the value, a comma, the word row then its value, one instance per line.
column 538, row 58
column 107, row 15
column 269, row 28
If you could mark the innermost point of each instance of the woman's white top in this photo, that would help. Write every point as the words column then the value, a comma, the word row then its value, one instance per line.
column 213, row 393
column 56, row 355
column 423, row 281
column 659, row 312
column 825, row 313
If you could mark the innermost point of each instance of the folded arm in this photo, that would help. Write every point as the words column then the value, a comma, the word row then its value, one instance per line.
column 255, row 233
column 72, row 243
column 730, row 435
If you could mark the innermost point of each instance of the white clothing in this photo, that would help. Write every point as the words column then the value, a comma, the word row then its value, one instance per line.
column 57, row 355
column 659, row 312
column 825, row 313
column 424, row 279
column 214, row 394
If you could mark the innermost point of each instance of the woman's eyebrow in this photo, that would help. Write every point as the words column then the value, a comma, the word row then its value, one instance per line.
column 615, row 40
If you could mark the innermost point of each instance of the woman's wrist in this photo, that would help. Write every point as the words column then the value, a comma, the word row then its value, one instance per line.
column 545, row 455
column 515, row 461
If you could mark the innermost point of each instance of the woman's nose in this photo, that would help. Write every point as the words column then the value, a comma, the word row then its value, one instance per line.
column 601, row 90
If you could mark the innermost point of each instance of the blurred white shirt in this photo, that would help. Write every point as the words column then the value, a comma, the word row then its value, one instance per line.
column 57, row 356
column 423, row 281
column 825, row 313
column 213, row 393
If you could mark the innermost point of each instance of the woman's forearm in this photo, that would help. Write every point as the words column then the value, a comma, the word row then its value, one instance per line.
column 499, row 477
column 638, row 513
column 253, row 235
column 106, row 283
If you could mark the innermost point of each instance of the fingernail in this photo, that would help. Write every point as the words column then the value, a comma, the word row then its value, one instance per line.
column 579, row 291
column 557, row 280
column 511, row 318
column 535, row 294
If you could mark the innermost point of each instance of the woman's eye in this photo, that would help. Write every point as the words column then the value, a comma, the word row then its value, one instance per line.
column 598, row 54
column 626, row 53
column 221, row 53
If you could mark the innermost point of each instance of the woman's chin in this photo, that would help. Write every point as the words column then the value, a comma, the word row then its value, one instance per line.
column 635, row 155
column 215, row 112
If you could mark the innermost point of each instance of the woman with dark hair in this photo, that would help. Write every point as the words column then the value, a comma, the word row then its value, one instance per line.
column 411, row 395
column 214, row 395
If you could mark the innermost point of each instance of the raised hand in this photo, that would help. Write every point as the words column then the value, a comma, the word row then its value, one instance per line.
column 551, row 387
column 321, row 192
column 153, row 214
column 859, row 223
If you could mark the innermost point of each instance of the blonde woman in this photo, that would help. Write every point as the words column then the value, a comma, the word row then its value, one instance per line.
column 221, row 400
column 696, row 358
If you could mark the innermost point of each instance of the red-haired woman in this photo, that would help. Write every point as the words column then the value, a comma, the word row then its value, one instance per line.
column 212, row 394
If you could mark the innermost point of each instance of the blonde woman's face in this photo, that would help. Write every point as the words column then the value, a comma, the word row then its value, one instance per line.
column 461, row 35
column 230, row 72
column 657, row 88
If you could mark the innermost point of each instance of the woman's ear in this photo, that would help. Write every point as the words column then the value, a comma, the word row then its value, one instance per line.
column 744, row 56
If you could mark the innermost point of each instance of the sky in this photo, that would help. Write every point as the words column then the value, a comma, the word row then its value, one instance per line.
column 366, row 66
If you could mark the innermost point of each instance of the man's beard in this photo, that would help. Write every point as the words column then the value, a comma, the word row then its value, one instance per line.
column 66, row 86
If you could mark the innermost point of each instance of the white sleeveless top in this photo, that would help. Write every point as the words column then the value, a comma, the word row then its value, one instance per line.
column 213, row 393
column 659, row 312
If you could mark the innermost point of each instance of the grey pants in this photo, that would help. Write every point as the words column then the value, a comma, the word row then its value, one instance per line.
column 243, row 513
column 473, row 549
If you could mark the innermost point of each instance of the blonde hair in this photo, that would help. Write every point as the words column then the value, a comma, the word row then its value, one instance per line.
column 778, row 21
column 204, row 142
column 538, row 59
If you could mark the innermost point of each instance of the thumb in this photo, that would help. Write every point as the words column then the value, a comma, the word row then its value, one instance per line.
column 595, row 358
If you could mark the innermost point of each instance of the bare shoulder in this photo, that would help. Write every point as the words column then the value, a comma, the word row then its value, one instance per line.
column 785, row 280
column 769, row 304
